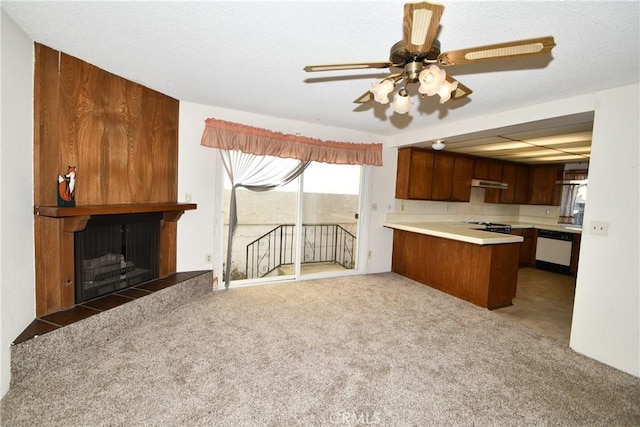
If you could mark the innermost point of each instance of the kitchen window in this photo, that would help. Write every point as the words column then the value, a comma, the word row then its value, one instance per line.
column 574, row 196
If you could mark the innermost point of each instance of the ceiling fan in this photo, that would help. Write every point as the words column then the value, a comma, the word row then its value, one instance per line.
column 419, row 59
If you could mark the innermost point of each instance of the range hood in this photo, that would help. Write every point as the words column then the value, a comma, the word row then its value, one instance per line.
column 484, row 183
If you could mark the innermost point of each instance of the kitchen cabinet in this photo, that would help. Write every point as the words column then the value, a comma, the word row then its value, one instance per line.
column 516, row 176
column 575, row 253
column 543, row 187
column 425, row 175
column 415, row 174
column 442, row 184
column 527, row 247
column 452, row 177
column 510, row 176
column 489, row 169
column 484, row 275
column 462, row 175
column 521, row 195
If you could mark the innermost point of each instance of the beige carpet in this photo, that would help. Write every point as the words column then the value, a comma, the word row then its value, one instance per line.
column 365, row 350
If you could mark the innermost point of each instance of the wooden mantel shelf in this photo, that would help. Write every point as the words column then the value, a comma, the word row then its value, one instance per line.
column 84, row 210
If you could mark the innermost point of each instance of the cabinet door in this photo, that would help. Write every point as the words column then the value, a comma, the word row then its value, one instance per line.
column 415, row 174
column 462, row 175
column 495, row 170
column 543, row 186
column 575, row 252
column 489, row 169
column 510, row 176
column 521, row 195
column 527, row 255
column 442, row 185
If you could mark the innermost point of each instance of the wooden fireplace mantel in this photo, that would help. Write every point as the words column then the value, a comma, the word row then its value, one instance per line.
column 54, row 228
column 127, row 208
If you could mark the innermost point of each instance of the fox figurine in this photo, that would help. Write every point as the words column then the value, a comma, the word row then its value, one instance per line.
column 67, row 187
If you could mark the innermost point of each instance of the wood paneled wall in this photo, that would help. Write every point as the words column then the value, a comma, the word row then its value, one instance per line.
column 122, row 136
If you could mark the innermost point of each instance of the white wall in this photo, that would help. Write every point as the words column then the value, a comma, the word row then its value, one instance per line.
column 199, row 173
column 17, row 271
column 606, row 320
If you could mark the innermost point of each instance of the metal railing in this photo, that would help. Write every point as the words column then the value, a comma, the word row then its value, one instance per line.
column 321, row 243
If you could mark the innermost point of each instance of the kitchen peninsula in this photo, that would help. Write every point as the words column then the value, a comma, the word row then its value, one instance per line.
column 475, row 265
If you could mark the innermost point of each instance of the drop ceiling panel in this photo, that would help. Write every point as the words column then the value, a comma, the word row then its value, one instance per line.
column 560, row 140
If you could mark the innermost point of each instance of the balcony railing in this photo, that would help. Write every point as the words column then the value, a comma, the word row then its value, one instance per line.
column 322, row 243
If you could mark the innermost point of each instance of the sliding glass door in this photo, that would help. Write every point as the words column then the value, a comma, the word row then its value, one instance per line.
column 330, row 205
column 308, row 227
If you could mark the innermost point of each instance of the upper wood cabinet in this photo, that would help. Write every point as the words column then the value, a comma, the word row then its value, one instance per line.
column 462, row 175
column 489, row 169
column 442, row 185
column 509, row 176
column 516, row 176
column 425, row 175
column 415, row 174
column 521, row 195
column 543, row 186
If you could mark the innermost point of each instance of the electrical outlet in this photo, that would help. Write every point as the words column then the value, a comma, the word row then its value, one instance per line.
column 374, row 206
column 208, row 259
column 599, row 228
column 187, row 197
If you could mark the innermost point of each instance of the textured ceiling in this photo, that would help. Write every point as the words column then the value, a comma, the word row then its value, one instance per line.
column 250, row 56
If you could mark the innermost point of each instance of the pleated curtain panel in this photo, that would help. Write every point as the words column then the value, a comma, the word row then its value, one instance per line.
column 262, row 160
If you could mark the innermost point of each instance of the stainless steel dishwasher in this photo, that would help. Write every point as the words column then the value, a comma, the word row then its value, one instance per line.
column 553, row 251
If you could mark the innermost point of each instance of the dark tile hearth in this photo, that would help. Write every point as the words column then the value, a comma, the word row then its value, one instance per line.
column 53, row 321
column 67, row 317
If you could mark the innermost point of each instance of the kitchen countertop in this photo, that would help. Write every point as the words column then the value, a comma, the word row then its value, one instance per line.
column 470, row 233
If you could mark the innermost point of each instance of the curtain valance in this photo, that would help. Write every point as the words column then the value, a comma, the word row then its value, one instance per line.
column 252, row 140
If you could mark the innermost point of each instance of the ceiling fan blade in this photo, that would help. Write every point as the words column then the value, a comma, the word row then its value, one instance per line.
column 461, row 91
column 520, row 48
column 420, row 26
column 346, row 66
column 364, row 98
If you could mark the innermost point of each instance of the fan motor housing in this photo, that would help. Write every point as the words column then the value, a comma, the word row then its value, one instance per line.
column 400, row 56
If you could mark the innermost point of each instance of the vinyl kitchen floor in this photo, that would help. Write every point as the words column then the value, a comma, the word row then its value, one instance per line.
column 544, row 301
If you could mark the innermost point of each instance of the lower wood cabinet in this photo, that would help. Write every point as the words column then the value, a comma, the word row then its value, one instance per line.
column 527, row 257
column 575, row 253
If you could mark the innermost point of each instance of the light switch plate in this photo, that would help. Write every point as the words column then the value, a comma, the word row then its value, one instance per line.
column 599, row 228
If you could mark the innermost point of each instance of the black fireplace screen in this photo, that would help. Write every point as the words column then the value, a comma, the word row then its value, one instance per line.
column 114, row 252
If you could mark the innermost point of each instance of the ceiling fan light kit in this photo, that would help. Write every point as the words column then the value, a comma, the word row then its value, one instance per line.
column 381, row 91
column 401, row 102
column 418, row 56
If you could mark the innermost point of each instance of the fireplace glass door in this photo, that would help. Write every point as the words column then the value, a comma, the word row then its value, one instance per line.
column 115, row 252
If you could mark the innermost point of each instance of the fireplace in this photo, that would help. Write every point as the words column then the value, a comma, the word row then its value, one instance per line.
column 114, row 252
